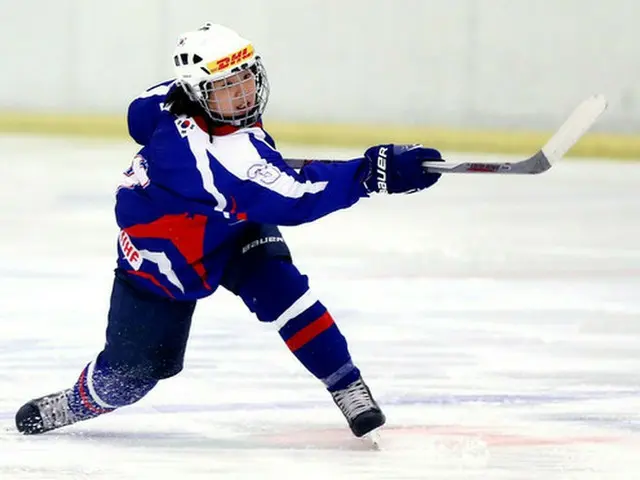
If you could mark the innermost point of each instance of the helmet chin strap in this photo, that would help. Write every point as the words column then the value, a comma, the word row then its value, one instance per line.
column 247, row 120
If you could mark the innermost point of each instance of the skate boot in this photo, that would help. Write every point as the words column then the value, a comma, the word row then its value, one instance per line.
column 359, row 408
column 45, row 413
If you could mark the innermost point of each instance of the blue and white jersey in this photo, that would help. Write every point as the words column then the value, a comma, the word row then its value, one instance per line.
column 188, row 195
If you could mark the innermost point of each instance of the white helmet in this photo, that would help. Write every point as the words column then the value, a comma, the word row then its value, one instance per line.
column 213, row 53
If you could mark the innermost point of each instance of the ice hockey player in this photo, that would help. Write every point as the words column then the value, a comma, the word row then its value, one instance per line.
column 199, row 208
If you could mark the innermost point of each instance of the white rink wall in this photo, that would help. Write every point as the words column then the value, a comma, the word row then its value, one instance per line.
column 453, row 63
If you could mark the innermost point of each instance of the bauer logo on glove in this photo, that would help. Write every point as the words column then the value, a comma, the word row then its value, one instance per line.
column 398, row 168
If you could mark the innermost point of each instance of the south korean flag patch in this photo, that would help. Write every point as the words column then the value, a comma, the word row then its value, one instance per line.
column 185, row 125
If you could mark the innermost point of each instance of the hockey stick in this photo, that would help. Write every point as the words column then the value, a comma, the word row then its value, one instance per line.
column 580, row 120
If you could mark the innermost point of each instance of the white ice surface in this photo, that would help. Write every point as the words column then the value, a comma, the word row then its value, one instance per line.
column 496, row 318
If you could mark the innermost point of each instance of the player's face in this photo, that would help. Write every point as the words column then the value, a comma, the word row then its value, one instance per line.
column 234, row 96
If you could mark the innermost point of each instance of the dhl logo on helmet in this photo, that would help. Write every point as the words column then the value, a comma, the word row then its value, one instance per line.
column 232, row 60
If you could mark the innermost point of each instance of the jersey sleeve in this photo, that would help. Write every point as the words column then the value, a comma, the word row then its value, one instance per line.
column 145, row 110
column 264, row 189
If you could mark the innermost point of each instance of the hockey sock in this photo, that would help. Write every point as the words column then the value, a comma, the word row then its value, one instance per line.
column 101, row 389
column 279, row 294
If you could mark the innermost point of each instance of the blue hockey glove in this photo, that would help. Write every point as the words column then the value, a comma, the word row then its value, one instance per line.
column 398, row 168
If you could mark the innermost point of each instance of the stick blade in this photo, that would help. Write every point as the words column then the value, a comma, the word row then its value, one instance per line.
column 581, row 119
column 578, row 123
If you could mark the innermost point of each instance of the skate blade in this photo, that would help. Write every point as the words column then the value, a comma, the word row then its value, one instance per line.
column 373, row 439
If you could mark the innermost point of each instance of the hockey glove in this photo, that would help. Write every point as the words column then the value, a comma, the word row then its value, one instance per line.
column 398, row 168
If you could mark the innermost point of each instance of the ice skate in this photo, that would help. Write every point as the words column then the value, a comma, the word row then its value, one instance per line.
column 45, row 413
column 359, row 408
